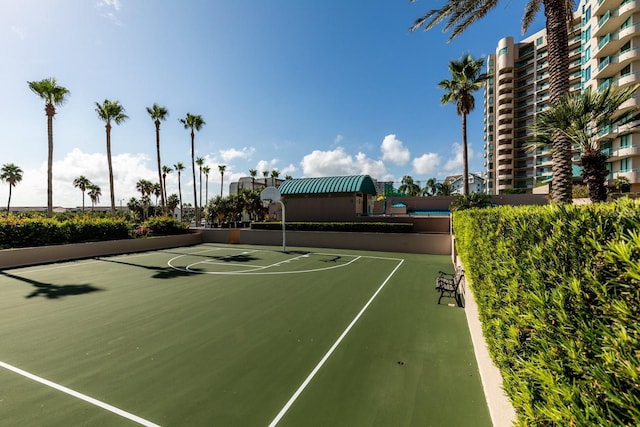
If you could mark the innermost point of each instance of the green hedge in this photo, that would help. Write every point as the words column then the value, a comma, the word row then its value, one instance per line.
column 370, row 227
column 18, row 232
column 558, row 290
column 163, row 225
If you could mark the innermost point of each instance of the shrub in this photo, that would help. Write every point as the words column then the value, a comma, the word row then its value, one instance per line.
column 164, row 225
column 558, row 290
column 473, row 200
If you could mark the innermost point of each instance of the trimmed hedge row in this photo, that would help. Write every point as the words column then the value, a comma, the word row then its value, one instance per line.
column 558, row 290
column 369, row 227
column 19, row 232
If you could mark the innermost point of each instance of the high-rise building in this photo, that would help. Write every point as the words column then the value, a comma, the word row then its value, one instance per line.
column 604, row 41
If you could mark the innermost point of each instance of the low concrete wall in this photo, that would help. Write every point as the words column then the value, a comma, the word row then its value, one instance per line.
column 419, row 243
column 19, row 257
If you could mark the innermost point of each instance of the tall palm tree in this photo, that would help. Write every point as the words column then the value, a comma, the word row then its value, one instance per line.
column 265, row 174
column 200, row 162
column 166, row 170
column 206, row 169
column 12, row 175
column 156, row 190
column 274, row 174
column 221, row 168
column 253, row 173
column 466, row 77
column 82, row 182
column 578, row 117
column 157, row 114
column 111, row 111
column 409, row 186
column 194, row 123
column 172, row 202
column 459, row 15
column 94, row 194
column 52, row 94
column 179, row 167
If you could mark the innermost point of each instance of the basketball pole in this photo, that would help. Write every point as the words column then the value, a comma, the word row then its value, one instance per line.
column 284, row 241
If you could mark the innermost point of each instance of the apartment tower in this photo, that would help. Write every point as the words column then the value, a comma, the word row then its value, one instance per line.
column 604, row 41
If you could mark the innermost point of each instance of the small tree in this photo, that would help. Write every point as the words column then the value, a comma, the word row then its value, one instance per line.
column 11, row 174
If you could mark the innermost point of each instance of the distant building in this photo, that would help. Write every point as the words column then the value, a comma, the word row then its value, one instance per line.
column 476, row 183
column 251, row 183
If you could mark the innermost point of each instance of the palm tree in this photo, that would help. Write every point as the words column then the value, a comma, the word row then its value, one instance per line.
column 156, row 190
column 195, row 123
column 559, row 14
column 179, row 167
column 221, row 168
column 157, row 114
column 253, row 173
column 444, row 189
column 408, row 186
column 265, row 174
column 172, row 202
column 82, row 183
column 274, row 174
column 206, row 169
column 200, row 162
column 111, row 111
column 145, row 187
column 52, row 95
column 578, row 117
column 166, row 170
column 94, row 194
column 288, row 177
column 466, row 78
column 12, row 175
column 429, row 187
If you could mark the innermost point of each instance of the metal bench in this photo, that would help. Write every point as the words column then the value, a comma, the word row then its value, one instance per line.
column 448, row 284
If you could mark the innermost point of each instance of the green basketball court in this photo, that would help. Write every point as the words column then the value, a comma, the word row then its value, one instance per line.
column 234, row 335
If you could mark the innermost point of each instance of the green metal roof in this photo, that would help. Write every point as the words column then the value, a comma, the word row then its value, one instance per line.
column 331, row 184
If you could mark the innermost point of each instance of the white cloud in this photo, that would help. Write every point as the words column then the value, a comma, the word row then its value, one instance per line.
column 110, row 3
column 337, row 162
column 455, row 163
column 338, row 139
column 288, row 170
column 427, row 164
column 18, row 31
column 127, row 170
column 266, row 165
column 394, row 150
column 111, row 7
column 232, row 153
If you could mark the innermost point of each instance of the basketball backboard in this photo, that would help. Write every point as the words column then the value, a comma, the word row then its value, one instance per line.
column 271, row 194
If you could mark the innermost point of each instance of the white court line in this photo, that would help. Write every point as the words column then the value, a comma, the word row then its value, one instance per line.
column 81, row 396
column 306, row 382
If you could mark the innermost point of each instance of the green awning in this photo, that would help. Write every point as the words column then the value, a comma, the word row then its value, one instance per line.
column 328, row 185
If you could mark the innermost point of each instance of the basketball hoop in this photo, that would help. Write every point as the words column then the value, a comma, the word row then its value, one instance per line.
column 269, row 195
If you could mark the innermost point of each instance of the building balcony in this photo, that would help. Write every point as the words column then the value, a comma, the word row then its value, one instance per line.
column 506, row 96
column 634, row 150
column 632, row 175
column 610, row 21
column 505, row 156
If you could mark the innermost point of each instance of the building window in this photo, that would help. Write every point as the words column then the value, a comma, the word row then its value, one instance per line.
column 587, row 14
column 491, row 62
column 586, row 35
column 539, row 41
column 625, row 164
column 625, row 141
column 626, row 23
column 625, row 71
column 503, row 51
column 587, row 73
column 587, row 54
column 625, row 47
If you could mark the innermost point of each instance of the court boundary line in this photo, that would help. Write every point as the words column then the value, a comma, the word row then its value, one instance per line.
column 79, row 395
column 328, row 354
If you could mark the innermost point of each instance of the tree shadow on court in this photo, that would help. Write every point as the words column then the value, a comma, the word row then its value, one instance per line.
column 51, row 291
column 159, row 272
column 234, row 258
column 334, row 259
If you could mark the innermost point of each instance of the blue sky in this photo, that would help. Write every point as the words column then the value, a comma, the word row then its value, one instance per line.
column 324, row 88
